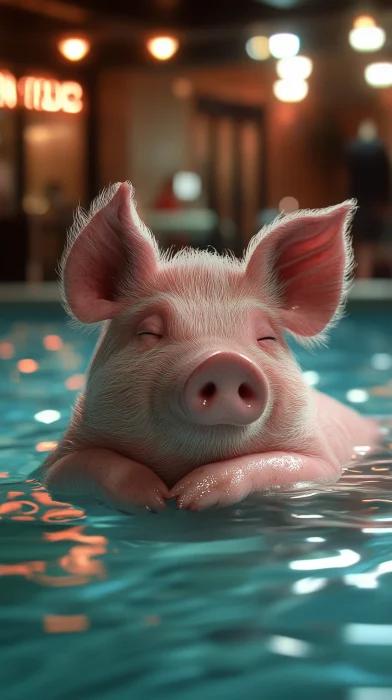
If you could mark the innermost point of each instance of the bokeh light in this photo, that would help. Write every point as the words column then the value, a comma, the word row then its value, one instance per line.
column 58, row 624
column 365, row 35
column 357, row 395
column 182, row 88
column 288, row 205
column 75, row 382
column 291, row 90
column 47, row 416
column 74, row 49
column 163, row 47
column 364, row 21
column 27, row 366
column 381, row 360
column 34, row 205
column 53, row 342
column 294, row 68
column 7, row 351
column 258, row 48
column 367, row 38
column 187, row 186
column 284, row 45
column 47, row 446
column 379, row 74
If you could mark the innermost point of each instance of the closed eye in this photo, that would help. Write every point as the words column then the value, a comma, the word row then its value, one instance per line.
column 158, row 335
column 267, row 337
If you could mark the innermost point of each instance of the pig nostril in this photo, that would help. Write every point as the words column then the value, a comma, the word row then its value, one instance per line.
column 246, row 392
column 208, row 391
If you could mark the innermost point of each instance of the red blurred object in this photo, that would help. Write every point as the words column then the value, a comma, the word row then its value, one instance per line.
column 166, row 199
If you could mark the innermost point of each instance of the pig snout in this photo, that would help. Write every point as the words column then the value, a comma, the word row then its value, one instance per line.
column 225, row 389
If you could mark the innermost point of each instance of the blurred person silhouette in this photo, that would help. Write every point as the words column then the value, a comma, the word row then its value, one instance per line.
column 368, row 174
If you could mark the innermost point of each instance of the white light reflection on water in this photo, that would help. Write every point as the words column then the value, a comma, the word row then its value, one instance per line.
column 308, row 585
column 311, row 378
column 369, row 635
column 48, row 416
column 369, row 693
column 381, row 361
column 346, row 557
column 288, row 646
column 357, row 395
column 204, row 603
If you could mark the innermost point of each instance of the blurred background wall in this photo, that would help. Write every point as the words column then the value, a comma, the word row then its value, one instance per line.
column 213, row 145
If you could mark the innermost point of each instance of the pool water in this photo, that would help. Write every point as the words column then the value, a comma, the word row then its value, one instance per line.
column 280, row 598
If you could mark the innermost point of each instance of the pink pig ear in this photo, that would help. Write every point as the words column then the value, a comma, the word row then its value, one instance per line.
column 110, row 248
column 303, row 262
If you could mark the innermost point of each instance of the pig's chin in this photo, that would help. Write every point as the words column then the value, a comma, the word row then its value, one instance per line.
column 176, row 452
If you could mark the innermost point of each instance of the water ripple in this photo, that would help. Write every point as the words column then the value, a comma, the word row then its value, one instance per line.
column 278, row 597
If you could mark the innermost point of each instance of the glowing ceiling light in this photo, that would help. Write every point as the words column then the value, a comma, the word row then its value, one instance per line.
column 294, row 68
column 74, row 49
column 291, row 90
column 284, row 45
column 163, row 47
column 258, row 48
column 365, row 35
column 367, row 38
column 379, row 74
column 364, row 21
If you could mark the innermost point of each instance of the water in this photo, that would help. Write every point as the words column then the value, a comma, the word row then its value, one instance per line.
column 279, row 599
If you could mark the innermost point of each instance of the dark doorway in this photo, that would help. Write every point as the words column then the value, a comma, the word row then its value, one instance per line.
column 230, row 153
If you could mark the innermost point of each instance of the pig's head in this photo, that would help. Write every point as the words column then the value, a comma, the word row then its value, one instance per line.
column 192, row 365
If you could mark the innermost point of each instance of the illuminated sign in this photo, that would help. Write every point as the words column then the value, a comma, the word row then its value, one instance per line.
column 40, row 94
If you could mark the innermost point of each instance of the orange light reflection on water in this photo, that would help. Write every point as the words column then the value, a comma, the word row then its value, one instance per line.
column 52, row 342
column 47, row 446
column 77, row 566
column 75, row 382
column 65, row 623
column 27, row 366
column 7, row 351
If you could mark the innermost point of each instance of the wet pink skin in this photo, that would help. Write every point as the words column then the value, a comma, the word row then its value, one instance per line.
column 193, row 393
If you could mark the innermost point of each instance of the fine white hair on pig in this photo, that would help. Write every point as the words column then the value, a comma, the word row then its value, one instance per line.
column 211, row 274
column 285, row 220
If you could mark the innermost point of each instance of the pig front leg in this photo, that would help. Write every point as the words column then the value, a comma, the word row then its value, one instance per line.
column 225, row 483
column 121, row 482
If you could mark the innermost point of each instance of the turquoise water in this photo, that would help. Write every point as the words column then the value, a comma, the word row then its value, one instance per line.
column 283, row 598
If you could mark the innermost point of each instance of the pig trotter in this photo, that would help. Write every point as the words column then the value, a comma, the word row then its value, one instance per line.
column 225, row 483
column 121, row 482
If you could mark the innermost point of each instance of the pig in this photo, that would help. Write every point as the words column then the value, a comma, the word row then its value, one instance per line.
column 192, row 392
